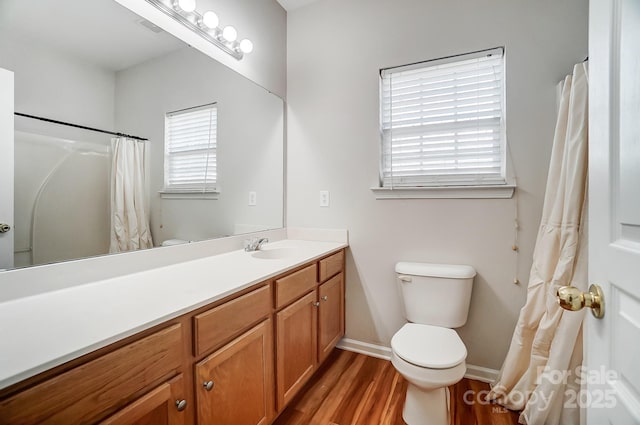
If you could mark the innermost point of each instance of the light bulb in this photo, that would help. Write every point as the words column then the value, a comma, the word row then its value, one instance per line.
column 210, row 19
column 246, row 46
column 229, row 33
column 187, row 5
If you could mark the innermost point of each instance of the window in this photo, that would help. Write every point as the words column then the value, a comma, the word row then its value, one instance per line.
column 190, row 150
column 442, row 122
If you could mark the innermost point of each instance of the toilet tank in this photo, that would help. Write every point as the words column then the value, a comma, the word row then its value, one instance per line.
column 436, row 294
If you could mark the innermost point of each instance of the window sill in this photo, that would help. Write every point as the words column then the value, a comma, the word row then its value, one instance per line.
column 503, row 191
column 189, row 195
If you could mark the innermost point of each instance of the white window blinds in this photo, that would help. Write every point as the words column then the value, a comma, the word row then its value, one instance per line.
column 443, row 122
column 190, row 150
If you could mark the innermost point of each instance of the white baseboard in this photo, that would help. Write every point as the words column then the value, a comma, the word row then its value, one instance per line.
column 482, row 374
column 477, row 373
column 372, row 350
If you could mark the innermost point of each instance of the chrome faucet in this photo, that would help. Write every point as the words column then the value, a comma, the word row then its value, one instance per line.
column 254, row 244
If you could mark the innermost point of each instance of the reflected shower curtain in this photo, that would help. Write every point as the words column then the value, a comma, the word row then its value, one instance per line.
column 129, row 214
column 541, row 372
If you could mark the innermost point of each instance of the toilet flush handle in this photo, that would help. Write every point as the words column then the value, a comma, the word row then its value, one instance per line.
column 404, row 278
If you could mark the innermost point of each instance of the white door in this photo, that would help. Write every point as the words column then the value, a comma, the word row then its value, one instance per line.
column 6, row 168
column 612, row 344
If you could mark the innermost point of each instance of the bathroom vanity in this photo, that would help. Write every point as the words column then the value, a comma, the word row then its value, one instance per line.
column 224, row 353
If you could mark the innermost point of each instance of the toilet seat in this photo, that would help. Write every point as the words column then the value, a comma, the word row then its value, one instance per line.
column 429, row 346
column 426, row 378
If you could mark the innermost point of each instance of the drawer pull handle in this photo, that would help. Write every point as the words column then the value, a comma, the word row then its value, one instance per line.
column 208, row 385
column 181, row 405
column 325, row 298
column 316, row 304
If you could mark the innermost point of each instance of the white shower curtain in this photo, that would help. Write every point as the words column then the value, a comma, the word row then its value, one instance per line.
column 129, row 215
column 540, row 375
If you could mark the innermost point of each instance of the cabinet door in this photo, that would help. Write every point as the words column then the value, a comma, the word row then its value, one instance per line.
column 330, row 315
column 234, row 385
column 164, row 405
column 296, row 346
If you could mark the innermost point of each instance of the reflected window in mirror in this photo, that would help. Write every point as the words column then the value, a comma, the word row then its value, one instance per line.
column 190, row 160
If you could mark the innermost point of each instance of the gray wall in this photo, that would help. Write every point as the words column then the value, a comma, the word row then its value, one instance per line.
column 335, row 49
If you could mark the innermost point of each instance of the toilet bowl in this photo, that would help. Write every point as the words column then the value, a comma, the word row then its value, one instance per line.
column 427, row 352
column 430, row 358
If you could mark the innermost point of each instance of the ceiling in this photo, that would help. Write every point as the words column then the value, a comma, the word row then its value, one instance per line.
column 290, row 5
column 100, row 32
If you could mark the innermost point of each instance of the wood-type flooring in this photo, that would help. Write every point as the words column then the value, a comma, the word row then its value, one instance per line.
column 352, row 389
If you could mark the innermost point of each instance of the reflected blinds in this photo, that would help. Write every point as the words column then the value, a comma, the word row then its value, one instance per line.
column 443, row 122
column 190, row 150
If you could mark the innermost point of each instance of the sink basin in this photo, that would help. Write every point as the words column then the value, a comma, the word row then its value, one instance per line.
column 273, row 253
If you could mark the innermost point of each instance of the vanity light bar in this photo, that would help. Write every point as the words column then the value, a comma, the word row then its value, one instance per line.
column 206, row 26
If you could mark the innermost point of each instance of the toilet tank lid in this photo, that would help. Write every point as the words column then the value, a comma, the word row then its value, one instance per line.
column 451, row 271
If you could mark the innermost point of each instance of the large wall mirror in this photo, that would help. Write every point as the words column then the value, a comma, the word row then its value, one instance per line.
column 95, row 63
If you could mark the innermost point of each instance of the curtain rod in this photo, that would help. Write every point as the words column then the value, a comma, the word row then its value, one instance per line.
column 445, row 57
column 79, row 126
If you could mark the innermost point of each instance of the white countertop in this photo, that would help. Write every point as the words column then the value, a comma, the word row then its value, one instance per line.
column 45, row 330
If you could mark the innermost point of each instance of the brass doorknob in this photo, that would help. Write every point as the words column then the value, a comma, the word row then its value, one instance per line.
column 572, row 299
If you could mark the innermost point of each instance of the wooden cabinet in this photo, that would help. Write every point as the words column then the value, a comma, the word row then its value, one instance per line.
column 330, row 315
column 237, row 361
column 311, row 326
column 296, row 336
column 163, row 405
column 234, row 385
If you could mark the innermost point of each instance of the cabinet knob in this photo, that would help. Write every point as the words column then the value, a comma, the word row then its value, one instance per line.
column 181, row 405
column 316, row 304
column 208, row 385
column 325, row 298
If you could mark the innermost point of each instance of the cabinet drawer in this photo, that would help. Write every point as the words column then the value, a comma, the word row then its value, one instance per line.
column 331, row 265
column 91, row 391
column 296, row 284
column 216, row 326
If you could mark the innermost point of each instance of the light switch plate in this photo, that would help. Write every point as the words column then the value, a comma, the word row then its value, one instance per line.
column 253, row 199
column 324, row 198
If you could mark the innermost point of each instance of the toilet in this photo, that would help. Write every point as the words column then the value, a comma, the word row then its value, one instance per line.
column 427, row 352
